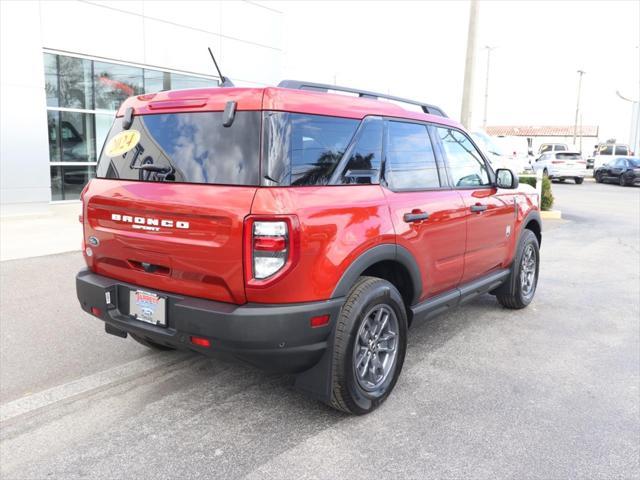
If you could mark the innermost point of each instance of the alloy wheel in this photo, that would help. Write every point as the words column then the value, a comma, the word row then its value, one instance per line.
column 376, row 347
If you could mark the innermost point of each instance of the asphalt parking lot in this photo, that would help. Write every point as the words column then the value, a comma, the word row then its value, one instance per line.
column 551, row 391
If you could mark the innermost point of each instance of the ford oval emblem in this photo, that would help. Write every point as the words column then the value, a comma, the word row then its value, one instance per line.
column 94, row 241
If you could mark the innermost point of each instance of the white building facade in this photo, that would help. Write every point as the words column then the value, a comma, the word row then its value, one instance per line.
column 67, row 65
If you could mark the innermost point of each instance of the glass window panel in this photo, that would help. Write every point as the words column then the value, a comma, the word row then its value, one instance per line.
column 305, row 149
column 51, row 79
column 622, row 150
column 155, row 80
column 179, row 82
column 75, row 84
column 465, row 163
column 411, row 163
column 103, row 125
column 68, row 181
column 53, row 124
column 365, row 155
column 115, row 83
column 187, row 148
column 77, row 137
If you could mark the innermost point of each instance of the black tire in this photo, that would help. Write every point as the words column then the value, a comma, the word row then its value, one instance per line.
column 511, row 294
column 598, row 177
column 578, row 180
column 369, row 294
column 622, row 181
column 150, row 344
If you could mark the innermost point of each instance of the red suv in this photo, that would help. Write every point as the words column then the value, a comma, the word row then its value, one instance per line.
column 299, row 230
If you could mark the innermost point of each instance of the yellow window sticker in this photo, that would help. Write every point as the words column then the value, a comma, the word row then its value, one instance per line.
column 122, row 143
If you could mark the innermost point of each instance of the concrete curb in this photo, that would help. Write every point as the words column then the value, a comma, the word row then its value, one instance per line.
column 551, row 214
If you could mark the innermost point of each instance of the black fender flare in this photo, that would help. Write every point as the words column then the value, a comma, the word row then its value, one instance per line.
column 379, row 253
column 532, row 215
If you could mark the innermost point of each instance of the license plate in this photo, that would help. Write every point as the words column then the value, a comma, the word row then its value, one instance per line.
column 147, row 307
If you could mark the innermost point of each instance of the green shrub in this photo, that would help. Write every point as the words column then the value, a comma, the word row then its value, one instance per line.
column 529, row 181
column 546, row 202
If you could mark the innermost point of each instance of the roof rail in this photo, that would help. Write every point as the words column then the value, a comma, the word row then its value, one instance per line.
column 321, row 87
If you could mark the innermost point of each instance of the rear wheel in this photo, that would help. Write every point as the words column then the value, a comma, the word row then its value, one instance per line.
column 578, row 180
column 518, row 291
column 369, row 346
column 622, row 181
column 150, row 344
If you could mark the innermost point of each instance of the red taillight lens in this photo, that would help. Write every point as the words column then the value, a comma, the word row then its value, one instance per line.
column 270, row 247
column 557, row 161
column 582, row 162
column 96, row 311
column 319, row 321
column 201, row 341
column 270, row 244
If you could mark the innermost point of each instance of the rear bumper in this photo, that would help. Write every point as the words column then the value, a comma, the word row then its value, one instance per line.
column 567, row 173
column 273, row 337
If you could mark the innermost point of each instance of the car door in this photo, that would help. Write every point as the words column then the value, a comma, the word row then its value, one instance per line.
column 490, row 212
column 428, row 216
column 618, row 167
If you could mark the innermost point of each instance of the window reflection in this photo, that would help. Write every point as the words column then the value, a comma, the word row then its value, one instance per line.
column 411, row 163
column 115, row 83
column 87, row 85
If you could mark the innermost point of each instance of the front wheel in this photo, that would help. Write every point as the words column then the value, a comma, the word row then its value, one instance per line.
column 599, row 177
column 369, row 346
column 518, row 291
column 578, row 180
column 622, row 181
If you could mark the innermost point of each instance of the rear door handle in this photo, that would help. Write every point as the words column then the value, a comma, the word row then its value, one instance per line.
column 415, row 216
column 478, row 208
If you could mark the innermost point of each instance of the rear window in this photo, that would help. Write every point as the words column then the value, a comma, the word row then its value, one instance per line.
column 184, row 147
column 622, row 150
column 567, row 156
column 606, row 150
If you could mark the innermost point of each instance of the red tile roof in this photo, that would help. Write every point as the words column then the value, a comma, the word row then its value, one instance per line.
column 542, row 131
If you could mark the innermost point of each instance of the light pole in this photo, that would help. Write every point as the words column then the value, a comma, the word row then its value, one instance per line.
column 575, row 124
column 486, row 86
column 469, row 64
column 634, row 132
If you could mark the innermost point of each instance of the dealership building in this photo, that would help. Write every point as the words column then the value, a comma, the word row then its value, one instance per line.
column 68, row 65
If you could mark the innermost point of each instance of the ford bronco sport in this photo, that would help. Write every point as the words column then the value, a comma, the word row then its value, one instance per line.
column 299, row 230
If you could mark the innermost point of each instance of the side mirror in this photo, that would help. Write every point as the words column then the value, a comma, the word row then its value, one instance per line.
column 506, row 179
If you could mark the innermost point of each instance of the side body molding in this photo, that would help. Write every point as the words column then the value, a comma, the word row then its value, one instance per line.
column 379, row 253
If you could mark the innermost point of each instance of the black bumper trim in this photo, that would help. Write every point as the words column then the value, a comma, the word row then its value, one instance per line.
column 273, row 337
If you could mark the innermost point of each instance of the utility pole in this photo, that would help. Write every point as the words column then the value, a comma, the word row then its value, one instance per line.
column 575, row 124
column 486, row 87
column 467, row 92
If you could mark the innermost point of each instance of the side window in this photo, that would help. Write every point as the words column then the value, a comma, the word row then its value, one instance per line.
column 467, row 167
column 363, row 165
column 621, row 163
column 561, row 148
column 410, row 162
column 545, row 148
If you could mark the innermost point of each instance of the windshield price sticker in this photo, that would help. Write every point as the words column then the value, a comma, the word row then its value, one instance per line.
column 122, row 143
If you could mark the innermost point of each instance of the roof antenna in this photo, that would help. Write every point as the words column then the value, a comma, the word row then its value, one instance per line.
column 224, row 81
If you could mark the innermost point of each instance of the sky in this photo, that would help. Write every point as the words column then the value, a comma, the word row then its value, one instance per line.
column 417, row 50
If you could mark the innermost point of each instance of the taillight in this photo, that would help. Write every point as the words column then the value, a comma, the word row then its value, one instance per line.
column 270, row 247
column 557, row 161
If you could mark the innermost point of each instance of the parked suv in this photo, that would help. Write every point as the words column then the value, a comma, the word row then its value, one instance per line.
column 298, row 230
column 561, row 166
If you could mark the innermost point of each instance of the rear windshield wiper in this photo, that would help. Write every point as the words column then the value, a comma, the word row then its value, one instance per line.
column 148, row 167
